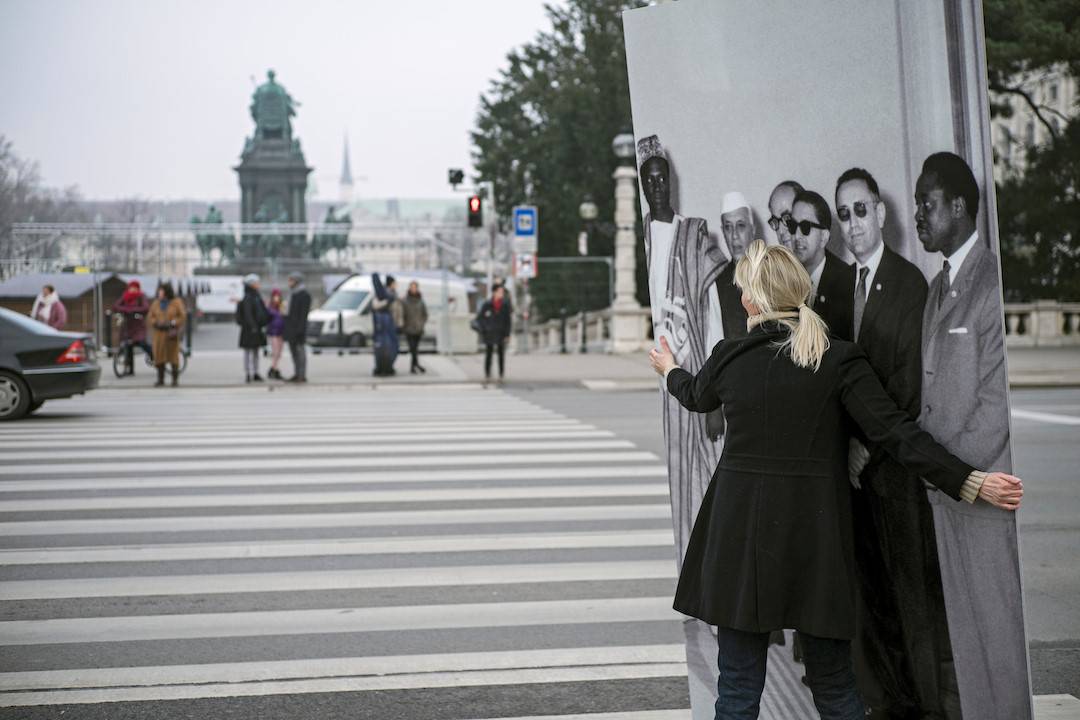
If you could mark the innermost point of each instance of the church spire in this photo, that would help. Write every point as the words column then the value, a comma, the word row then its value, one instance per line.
column 346, row 181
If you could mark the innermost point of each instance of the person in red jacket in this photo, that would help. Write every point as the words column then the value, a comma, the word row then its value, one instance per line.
column 133, row 305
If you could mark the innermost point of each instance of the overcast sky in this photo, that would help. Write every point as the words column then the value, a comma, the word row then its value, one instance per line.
column 150, row 97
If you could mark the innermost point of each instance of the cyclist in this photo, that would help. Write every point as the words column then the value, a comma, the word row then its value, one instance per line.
column 133, row 305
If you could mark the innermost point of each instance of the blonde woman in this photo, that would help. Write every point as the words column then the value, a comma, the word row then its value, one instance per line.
column 772, row 546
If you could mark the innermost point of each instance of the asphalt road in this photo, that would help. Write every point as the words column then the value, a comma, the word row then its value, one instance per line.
column 399, row 553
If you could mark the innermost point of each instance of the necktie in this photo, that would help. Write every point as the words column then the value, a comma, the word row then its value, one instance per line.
column 860, row 298
column 945, row 284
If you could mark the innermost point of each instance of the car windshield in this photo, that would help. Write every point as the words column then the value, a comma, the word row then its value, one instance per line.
column 345, row 300
column 24, row 322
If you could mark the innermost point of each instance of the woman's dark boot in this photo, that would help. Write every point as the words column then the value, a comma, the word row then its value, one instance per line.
column 160, row 376
column 175, row 375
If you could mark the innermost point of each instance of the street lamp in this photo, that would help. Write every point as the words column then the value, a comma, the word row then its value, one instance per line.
column 623, row 147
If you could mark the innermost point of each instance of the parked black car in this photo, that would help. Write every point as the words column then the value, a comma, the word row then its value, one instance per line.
column 38, row 363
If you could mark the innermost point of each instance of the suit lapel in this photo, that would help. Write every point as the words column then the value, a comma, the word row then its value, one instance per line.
column 959, row 289
column 880, row 286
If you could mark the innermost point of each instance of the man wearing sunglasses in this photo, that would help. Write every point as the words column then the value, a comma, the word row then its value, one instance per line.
column 902, row 642
column 780, row 202
column 809, row 227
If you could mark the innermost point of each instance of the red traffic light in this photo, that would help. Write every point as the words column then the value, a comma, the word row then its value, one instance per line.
column 476, row 217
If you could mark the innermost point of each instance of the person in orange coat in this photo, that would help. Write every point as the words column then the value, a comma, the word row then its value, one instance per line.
column 167, row 317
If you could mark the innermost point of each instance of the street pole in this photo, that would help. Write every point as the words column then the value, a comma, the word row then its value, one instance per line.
column 627, row 329
column 493, row 225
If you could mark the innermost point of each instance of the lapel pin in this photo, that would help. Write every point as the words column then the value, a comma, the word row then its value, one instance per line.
column 953, row 293
column 821, row 298
column 878, row 286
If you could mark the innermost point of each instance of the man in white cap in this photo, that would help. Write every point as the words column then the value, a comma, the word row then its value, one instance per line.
column 737, row 225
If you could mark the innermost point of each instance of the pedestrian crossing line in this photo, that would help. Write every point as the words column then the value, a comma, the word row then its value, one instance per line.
column 388, row 518
column 343, row 547
column 629, row 715
column 345, row 463
column 312, row 580
column 129, row 502
column 409, row 681
column 381, row 477
column 322, row 668
column 164, row 453
column 261, row 439
column 336, row 620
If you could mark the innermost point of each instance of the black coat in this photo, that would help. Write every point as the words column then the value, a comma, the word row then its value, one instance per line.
column 772, row 546
column 494, row 326
column 891, row 336
column 252, row 317
column 296, row 319
column 732, row 311
column 835, row 298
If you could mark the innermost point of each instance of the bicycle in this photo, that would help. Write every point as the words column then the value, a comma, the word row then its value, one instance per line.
column 126, row 349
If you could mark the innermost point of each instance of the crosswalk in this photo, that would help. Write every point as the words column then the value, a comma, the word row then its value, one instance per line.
column 457, row 549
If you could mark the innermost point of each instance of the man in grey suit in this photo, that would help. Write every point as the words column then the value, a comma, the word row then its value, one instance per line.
column 965, row 407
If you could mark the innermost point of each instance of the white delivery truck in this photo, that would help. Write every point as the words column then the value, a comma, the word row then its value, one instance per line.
column 344, row 320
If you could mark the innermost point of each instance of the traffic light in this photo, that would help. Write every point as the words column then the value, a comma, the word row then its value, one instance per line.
column 456, row 176
column 476, row 211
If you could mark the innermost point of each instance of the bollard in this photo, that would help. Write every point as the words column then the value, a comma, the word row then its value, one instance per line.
column 562, row 331
column 584, row 333
column 189, row 331
column 340, row 329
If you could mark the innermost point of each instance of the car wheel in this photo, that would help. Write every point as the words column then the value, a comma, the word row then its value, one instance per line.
column 356, row 340
column 14, row 396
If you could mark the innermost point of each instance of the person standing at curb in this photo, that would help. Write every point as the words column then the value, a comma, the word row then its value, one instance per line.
column 133, row 306
column 494, row 322
column 167, row 317
column 296, row 325
column 416, row 316
column 274, row 330
column 252, row 316
column 48, row 308
column 387, row 317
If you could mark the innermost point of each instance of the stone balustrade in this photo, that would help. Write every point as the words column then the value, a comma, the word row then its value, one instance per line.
column 1043, row 323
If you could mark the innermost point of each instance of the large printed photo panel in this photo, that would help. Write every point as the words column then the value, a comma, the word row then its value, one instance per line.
column 856, row 133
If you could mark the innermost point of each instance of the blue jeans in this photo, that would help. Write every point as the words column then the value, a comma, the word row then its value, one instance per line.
column 742, row 661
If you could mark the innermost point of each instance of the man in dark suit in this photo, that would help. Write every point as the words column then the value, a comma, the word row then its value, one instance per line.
column 296, row 326
column 831, row 279
column 902, row 646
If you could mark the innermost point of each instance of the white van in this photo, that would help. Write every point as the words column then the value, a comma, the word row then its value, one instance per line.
column 344, row 320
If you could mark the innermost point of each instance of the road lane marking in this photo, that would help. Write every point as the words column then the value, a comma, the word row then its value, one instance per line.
column 529, row 676
column 129, row 502
column 346, row 463
column 338, row 547
column 366, row 579
column 165, row 482
column 262, row 438
column 260, row 671
column 217, row 523
column 336, row 620
column 1052, row 418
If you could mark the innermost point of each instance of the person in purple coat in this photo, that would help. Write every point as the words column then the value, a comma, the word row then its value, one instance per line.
column 134, row 306
column 275, row 330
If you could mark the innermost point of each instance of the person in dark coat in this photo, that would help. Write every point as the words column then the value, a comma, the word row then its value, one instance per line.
column 415, row 316
column 133, row 305
column 252, row 317
column 772, row 546
column 295, row 330
column 494, row 320
column 384, row 336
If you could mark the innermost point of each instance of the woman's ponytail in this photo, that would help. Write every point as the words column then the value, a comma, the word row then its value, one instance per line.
column 809, row 339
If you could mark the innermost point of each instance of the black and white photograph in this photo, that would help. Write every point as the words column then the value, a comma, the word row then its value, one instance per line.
column 852, row 135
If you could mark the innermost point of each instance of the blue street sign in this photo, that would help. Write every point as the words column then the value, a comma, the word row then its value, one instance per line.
column 525, row 221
